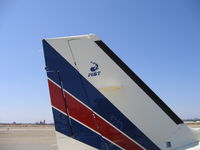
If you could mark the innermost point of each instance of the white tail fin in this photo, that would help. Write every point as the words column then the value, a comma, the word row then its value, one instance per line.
column 99, row 103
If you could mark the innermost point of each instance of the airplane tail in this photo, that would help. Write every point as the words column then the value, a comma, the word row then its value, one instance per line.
column 98, row 102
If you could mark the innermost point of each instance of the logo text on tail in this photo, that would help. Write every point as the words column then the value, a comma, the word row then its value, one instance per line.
column 94, row 70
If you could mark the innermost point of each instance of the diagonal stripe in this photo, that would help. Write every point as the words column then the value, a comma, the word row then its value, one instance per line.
column 90, row 119
column 89, row 137
column 72, row 79
column 106, row 141
column 60, row 104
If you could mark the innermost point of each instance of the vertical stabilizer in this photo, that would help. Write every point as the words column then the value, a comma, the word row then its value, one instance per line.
column 98, row 102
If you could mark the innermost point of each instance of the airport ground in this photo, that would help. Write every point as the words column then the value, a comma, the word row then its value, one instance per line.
column 27, row 137
column 35, row 137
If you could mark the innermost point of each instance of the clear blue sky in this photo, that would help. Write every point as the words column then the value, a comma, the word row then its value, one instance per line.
column 159, row 40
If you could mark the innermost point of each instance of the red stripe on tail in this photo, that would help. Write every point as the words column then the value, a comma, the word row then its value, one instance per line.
column 89, row 118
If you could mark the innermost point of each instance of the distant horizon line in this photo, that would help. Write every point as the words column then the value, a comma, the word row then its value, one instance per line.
column 52, row 123
column 24, row 123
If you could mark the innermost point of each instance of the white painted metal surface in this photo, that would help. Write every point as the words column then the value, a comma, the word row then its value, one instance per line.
column 122, row 92
column 68, row 143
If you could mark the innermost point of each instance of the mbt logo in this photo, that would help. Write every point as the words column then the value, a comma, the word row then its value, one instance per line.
column 94, row 70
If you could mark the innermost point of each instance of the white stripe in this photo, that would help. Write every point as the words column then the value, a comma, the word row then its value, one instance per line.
column 87, row 127
column 99, row 115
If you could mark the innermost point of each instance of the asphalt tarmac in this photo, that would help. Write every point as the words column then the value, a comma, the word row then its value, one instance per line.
column 40, row 137
column 34, row 137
